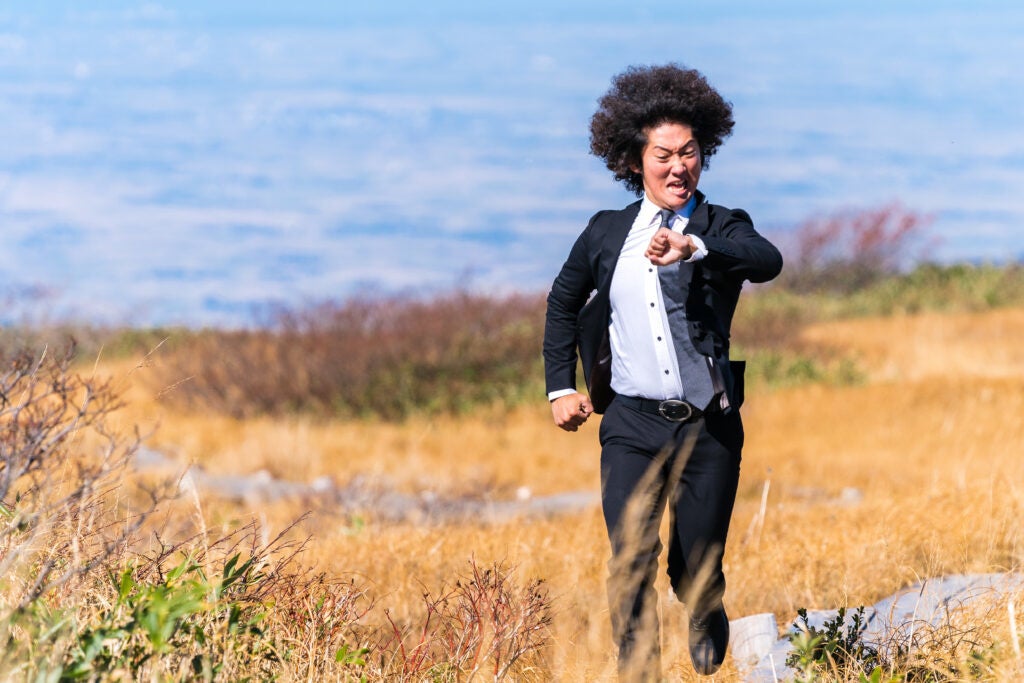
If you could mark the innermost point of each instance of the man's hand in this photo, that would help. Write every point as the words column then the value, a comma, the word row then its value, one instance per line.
column 668, row 246
column 571, row 411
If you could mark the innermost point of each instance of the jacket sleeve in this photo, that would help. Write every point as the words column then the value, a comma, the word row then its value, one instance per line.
column 569, row 292
column 740, row 252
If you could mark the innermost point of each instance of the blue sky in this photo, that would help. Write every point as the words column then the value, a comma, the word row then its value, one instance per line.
column 180, row 162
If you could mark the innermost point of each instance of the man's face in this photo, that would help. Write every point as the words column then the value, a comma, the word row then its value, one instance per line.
column 670, row 165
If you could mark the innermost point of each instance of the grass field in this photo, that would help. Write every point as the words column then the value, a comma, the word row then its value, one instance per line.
column 914, row 472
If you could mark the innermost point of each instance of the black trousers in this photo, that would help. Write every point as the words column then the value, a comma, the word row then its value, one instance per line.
column 648, row 463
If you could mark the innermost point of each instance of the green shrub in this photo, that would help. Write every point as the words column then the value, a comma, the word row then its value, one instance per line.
column 182, row 615
column 836, row 651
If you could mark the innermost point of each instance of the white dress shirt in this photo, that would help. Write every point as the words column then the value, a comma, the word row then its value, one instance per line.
column 643, row 356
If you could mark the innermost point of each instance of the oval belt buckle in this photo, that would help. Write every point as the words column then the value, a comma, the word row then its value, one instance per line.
column 675, row 410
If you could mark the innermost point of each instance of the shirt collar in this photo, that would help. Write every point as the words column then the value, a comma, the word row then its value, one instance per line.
column 648, row 210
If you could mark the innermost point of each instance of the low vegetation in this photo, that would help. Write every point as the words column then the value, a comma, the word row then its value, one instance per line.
column 92, row 588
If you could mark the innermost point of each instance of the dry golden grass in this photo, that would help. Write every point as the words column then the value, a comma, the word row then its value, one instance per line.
column 916, row 473
column 908, row 348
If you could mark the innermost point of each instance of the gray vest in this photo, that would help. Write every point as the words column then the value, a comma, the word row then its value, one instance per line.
column 702, row 378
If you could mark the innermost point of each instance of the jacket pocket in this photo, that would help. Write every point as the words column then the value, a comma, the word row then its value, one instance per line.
column 737, row 368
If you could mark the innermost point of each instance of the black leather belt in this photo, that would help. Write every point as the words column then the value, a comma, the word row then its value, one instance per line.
column 671, row 409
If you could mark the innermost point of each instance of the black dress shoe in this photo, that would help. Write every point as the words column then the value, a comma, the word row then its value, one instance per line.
column 709, row 637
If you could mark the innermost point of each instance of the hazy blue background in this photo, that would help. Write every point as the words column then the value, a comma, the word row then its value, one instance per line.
column 179, row 162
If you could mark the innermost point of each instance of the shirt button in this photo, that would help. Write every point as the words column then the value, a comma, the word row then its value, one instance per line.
column 652, row 304
column 666, row 372
column 659, row 338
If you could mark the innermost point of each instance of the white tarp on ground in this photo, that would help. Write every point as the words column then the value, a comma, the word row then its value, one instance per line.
column 928, row 604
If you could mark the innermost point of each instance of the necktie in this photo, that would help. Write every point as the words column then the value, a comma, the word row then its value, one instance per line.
column 694, row 369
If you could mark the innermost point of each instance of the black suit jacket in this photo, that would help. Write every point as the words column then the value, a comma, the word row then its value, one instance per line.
column 578, row 311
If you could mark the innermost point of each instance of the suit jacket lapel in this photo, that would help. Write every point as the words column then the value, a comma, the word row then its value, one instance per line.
column 612, row 243
column 597, row 364
column 700, row 221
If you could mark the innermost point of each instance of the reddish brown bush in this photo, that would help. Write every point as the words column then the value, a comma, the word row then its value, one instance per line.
column 849, row 250
column 486, row 624
column 387, row 357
